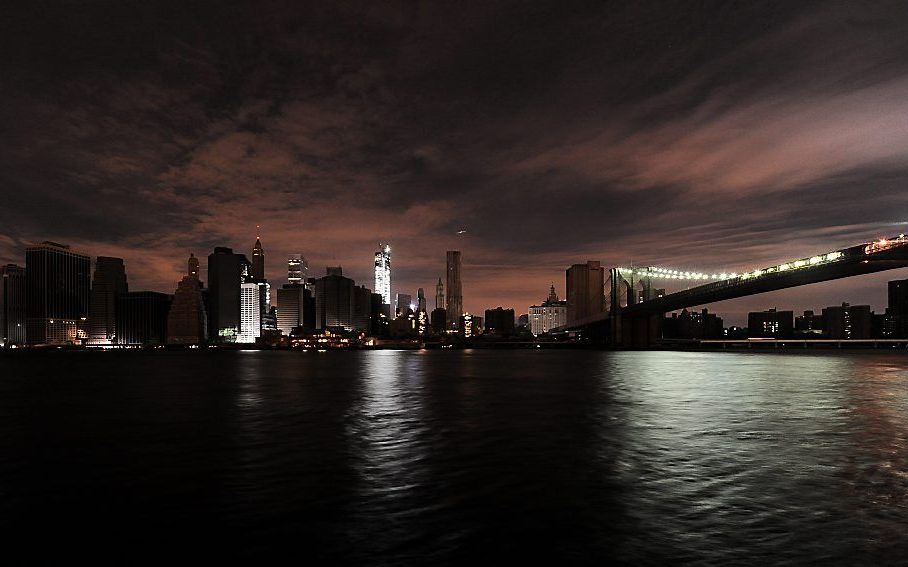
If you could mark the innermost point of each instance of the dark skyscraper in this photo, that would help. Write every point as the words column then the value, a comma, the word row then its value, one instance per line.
column 291, row 307
column 440, row 295
column 403, row 303
column 12, row 305
column 258, row 260
column 108, row 284
column 142, row 318
column 226, row 271
column 420, row 300
column 187, row 320
column 362, row 308
column 585, row 292
column 454, row 303
column 898, row 308
column 334, row 298
column 59, row 280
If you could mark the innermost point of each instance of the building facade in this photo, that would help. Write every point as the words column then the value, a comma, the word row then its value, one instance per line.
column 250, row 313
column 12, row 306
column 108, row 285
column 404, row 302
column 551, row 314
column 187, row 319
column 585, row 292
column 383, row 272
column 291, row 307
column 58, row 284
column 454, row 289
column 770, row 324
column 258, row 260
column 334, row 300
column 847, row 322
column 226, row 272
column 498, row 321
column 142, row 318
column 297, row 269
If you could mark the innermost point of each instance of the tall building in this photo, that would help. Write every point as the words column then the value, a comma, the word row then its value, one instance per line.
column 439, row 320
column 142, row 318
column 187, row 319
column 454, row 299
column 898, row 308
column 250, row 313
column 362, row 308
column 57, row 293
column 439, row 295
column 383, row 272
column 334, row 299
column 108, row 284
column 585, row 291
column 291, row 307
column 258, row 259
column 420, row 300
column 551, row 314
column 297, row 269
column 499, row 321
column 404, row 302
column 12, row 305
column 226, row 272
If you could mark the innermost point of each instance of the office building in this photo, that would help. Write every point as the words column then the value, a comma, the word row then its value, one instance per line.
column 142, row 318
column 57, row 293
column 585, row 292
column 439, row 320
column 258, row 259
column 498, row 321
column 404, row 302
column 847, row 322
column 379, row 315
column 297, row 269
column 898, row 308
column 770, row 324
column 12, row 306
column 454, row 289
column 187, row 319
column 362, row 309
column 334, row 299
column 291, row 307
column 420, row 300
column 250, row 313
column 383, row 272
column 226, row 272
column 439, row 295
column 551, row 314
column 108, row 284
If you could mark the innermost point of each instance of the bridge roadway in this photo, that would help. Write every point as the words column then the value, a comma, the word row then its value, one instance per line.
column 854, row 261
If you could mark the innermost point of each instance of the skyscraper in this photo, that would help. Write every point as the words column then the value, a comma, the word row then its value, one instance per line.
column 226, row 272
column 334, row 299
column 362, row 308
column 383, row 272
column 291, row 307
column 106, row 287
column 142, row 318
column 420, row 300
column 250, row 313
column 440, row 295
column 12, row 305
column 58, row 288
column 585, row 292
column 454, row 304
column 258, row 259
column 297, row 269
column 403, row 303
column 187, row 320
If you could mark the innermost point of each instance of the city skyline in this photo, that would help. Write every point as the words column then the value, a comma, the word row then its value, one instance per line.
column 546, row 157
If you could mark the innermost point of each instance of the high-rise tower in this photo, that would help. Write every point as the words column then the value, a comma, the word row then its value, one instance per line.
column 454, row 304
column 383, row 272
column 108, row 285
column 440, row 295
column 297, row 269
column 58, row 288
column 258, row 258
column 192, row 267
column 420, row 300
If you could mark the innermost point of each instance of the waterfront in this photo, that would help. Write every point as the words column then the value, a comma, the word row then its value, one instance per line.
column 442, row 457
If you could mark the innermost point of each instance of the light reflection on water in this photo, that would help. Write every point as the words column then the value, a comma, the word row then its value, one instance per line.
column 448, row 457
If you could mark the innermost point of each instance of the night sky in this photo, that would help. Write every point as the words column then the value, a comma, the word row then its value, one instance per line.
column 699, row 135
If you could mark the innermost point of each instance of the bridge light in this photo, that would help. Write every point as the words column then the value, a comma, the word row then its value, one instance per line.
column 815, row 260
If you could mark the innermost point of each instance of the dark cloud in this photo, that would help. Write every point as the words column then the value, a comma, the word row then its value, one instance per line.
column 705, row 136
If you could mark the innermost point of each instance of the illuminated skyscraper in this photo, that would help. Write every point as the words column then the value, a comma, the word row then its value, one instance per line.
column 297, row 269
column 107, row 286
column 383, row 272
column 258, row 259
column 59, row 284
column 250, row 313
column 454, row 305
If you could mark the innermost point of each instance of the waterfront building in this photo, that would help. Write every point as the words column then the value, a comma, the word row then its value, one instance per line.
column 334, row 300
column 226, row 272
column 187, row 319
column 58, row 283
column 551, row 314
column 383, row 272
column 12, row 305
column 771, row 324
column 454, row 287
column 585, row 293
column 847, row 322
column 291, row 307
column 250, row 313
column 108, row 284
column 404, row 302
column 362, row 308
column 142, row 318
column 498, row 321
column 809, row 325
column 898, row 308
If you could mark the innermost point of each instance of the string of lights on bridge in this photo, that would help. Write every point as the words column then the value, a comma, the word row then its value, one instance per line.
column 657, row 272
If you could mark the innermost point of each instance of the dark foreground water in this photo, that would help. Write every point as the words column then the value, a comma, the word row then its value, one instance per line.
column 455, row 457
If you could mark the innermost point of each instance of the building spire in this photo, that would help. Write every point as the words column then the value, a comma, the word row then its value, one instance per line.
column 258, row 256
column 553, row 297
